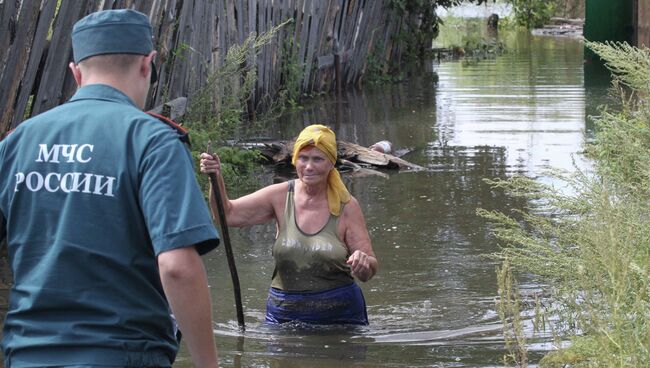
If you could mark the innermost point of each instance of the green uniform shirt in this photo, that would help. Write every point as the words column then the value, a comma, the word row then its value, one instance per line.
column 90, row 193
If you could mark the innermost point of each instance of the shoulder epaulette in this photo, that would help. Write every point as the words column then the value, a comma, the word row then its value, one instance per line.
column 184, row 135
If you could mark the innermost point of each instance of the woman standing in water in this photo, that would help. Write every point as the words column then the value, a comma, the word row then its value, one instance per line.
column 322, row 241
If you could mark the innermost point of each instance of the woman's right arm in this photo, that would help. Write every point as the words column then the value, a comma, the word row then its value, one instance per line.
column 252, row 209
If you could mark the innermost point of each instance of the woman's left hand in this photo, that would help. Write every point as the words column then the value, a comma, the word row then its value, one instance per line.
column 360, row 264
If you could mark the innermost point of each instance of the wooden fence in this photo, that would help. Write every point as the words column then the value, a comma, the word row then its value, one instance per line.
column 192, row 38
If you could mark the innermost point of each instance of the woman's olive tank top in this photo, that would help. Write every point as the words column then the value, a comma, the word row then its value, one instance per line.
column 309, row 262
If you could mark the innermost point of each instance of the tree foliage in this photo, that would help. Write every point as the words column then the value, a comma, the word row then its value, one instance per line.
column 421, row 23
column 533, row 13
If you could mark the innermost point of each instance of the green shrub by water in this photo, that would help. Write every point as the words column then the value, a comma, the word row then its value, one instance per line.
column 533, row 13
column 219, row 111
column 590, row 240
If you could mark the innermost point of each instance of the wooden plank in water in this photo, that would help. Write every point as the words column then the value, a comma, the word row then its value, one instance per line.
column 280, row 152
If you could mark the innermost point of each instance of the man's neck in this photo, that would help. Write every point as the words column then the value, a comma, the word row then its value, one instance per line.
column 125, row 85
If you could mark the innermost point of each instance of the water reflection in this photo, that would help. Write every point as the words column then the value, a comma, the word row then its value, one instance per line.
column 530, row 101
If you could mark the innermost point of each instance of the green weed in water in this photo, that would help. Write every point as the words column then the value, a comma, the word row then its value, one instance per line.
column 508, row 306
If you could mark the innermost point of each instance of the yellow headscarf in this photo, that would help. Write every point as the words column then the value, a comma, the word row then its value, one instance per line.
column 324, row 139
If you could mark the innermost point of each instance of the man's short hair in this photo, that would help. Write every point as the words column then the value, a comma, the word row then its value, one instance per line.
column 110, row 63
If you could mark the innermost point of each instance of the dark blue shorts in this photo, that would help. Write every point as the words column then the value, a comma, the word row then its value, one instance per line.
column 342, row 305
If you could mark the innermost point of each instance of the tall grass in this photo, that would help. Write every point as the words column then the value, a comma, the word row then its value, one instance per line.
column 219, row 112
column 591, row 240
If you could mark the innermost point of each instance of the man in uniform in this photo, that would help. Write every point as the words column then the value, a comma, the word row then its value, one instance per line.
column 103, row 218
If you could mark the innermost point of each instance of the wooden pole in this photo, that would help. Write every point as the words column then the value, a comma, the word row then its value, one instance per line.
column 226, row 243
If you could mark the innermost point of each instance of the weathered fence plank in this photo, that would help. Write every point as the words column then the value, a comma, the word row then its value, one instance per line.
column 312, row 38
column 8, row 18
column 266, row 60
column 38, row 51
column 56, row 90
column 241, row 24
column 643, row 20
column 17, row 59
column 261, row 28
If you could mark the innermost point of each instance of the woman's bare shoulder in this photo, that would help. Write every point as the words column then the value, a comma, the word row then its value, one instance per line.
column 267, row 194
column 277, row 187
column 352, row 212
column 275, row 193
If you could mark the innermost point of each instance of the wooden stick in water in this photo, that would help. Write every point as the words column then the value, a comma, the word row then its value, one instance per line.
column 226, row 243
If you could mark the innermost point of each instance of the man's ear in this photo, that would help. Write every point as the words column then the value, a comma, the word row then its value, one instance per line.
column 145, row 65
column 76, row 72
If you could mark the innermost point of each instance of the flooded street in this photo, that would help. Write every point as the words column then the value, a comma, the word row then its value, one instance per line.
column 433, row 302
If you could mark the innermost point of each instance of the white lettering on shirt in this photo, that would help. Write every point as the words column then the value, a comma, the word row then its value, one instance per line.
column 70, row 182
column 69, row 152
column 48, row 156
column 20, row 178
column 80, row 152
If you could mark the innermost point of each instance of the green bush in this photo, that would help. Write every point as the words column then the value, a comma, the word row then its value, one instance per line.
column 533, row 13
column 590, row 240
